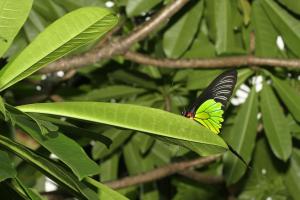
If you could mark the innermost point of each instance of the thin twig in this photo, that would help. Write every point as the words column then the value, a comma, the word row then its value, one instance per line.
column 160, row 172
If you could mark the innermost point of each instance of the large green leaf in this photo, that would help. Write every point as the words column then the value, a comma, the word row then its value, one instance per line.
column 264, row 180
column 136, row 7
column 292, row 177
column 13, row 14
column 225, row 16
column 265, row 33
column 7, row 169
column 275, row 124
column 291, row 5
column 286, row 24
column 242, row 139
column 154, row 121
column 63, row 36
column 179, row 36
column 57, row 173
column 57, row 143
column 289, row 96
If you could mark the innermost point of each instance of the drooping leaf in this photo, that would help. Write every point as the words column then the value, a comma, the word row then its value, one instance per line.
column 285, row 23
column 292, row 5
column 13, row 14
column 265, row 33
column 63, row 36
column 177, row 39
column 109, row 168
column 57, row 143
column 242, row 139
column 7, row 169
column 154, row 121
column 275, row 124
column 289, row 96
column 264, row 180
column 292, row 176
column 56, row 172
column 118, row 137
column 226, row 42
column 28, row 192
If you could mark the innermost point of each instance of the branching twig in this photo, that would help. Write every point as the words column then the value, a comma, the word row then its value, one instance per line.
column 160, row 172
column 121, row 45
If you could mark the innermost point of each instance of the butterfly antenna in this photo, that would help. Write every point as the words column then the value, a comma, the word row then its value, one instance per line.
column 238, row 155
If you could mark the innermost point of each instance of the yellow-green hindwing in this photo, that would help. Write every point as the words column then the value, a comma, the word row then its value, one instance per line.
column 209, row 114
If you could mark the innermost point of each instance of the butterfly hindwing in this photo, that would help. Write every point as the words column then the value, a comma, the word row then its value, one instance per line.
column 209, row 107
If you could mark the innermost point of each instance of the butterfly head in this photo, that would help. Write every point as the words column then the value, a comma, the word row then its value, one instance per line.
column 187, row 114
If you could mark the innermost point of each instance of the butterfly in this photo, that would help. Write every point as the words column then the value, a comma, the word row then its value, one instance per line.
column 208, row 108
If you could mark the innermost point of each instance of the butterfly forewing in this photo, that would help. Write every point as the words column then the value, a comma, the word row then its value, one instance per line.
column 220, row 90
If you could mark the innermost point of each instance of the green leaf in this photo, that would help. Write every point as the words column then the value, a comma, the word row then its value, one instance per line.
column 154, row 121
column 291, row 5
column 286, row 24
column 7, row 169
column 3, row 109
column 55, row 172
column 105, row 192
column 189, row 190
column 264, row 180
column 265, row 33
column 246, row 9
column 292, row 176
column 243, row 75
column 177, row 39
column 133, row 158
column 242, row 139
column 225, row 12
column 201, row 47
column 199, row 79
column 13, row 14
column 275, row 124
column 115, row 91
column 130, row 78
column 63, row 36
column 137, row 7
column 57, row 143
column 289, row 96
column 28, row 192
column 118, row 136
column 109, row 168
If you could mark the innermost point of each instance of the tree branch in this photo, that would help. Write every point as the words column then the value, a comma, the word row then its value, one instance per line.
column 120, row 45
column 201, row 177
column 160, row 172
column 233, row 61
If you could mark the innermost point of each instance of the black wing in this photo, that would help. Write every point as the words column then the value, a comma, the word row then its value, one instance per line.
column 220, row 90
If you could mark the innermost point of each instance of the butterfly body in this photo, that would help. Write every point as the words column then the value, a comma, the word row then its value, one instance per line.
column 209, row 107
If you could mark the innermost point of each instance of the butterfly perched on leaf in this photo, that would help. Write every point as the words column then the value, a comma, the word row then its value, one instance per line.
column 208, row 109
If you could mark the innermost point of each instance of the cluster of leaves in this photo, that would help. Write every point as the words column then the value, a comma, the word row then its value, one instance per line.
column 140, row 134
